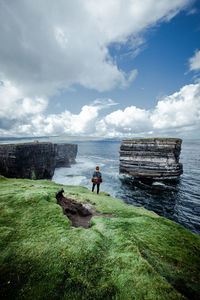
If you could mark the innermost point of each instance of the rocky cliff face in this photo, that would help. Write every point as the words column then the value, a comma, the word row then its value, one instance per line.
column 151, row 158
column 65, row 154
column 35, row 160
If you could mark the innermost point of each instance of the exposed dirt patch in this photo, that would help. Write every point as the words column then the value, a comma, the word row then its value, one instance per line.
column 79, row 214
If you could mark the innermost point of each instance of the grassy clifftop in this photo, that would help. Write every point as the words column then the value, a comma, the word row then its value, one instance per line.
column 137, row 255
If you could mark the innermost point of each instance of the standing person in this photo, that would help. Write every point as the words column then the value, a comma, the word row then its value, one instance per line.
column 96, row 179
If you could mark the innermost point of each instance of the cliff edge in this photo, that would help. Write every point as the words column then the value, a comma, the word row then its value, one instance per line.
column 151, row 158
column 35, row 160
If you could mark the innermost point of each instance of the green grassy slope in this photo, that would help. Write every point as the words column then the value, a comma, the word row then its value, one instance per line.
column 137, row 255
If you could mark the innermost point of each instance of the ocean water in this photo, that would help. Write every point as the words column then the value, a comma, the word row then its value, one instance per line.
column 176, row 199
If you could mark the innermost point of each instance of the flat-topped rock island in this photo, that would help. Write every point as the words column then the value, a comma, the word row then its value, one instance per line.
column 35, row 160
column 151, row 157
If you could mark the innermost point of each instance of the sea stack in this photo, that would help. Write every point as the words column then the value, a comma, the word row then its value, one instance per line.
column 151, row 157
column 35, row 160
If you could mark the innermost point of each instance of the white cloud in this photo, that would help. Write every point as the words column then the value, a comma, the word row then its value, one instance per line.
column 178, row 111
column 14, row 106
column 132, row 75
column 72, row 124
column 26, row 116
column 103, row 103
column 83, row 123
column 131, row 121
column 177, row 114
column 51, row 44
column 195, row 62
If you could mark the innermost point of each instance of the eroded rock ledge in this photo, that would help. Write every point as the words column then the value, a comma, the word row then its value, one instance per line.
column 151, row 158
column 79, row 214
column 35, row 160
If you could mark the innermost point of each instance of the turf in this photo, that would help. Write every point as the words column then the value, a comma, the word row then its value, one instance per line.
column 137, row 255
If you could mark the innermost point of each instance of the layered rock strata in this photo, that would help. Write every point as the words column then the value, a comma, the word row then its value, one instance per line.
column 151, row 158
column 35, row 160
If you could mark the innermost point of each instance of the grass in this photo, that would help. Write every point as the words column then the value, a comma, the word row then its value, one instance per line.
column 137, row 255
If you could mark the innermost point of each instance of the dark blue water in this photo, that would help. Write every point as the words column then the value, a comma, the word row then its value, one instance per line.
column 178, row 199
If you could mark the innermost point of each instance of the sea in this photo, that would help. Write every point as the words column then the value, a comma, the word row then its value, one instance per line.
column 176, row 199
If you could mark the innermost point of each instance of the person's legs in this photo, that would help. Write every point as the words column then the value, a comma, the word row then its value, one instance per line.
column 98, row 184
column 93, row 186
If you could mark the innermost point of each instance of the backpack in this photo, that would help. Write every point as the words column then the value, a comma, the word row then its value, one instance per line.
column 96, row 178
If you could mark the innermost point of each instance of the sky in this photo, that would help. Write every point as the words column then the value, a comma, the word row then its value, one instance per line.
column 109, row 68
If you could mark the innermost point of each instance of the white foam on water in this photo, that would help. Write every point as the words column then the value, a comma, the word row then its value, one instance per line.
column 163, row 185
column 158, row 183
column 76, row 174
column 61, row 178
column 81, row 173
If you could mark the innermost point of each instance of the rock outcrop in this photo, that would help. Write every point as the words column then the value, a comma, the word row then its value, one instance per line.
column 35, row 160
column 65, row 154
column 151, row 158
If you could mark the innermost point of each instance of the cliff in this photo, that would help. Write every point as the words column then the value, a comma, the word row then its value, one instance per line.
column 35, row 160
column 151, row 158
column 65, row 154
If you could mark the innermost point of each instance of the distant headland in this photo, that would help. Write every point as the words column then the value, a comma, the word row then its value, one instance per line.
column 35, row 160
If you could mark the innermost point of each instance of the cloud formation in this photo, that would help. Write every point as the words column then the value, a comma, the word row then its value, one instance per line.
column 130, row 121
column 51, row 45
column 178, row 111
column 15, row 109
column 195, row 61
column 54, row 44
column 176, row 114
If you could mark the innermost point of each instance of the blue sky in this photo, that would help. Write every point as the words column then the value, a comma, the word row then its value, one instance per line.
column 100, row 68
column 161, row 64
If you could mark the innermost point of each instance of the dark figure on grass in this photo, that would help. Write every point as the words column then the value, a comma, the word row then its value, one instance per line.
column 96, row 179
